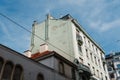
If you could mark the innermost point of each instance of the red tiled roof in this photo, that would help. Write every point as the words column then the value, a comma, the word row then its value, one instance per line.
column 38, row 54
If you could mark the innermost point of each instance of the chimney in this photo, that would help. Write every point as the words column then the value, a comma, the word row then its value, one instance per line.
column 49, row 16
column 27, row 53
column 43, row 48
column 34, row 23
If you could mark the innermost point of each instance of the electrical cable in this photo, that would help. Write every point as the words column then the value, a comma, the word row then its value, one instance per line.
column 32, row 33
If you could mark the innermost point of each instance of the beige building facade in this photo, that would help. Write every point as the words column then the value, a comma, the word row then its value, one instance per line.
column 66, row 36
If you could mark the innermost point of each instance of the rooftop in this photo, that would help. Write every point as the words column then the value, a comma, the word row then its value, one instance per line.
column 112, row 54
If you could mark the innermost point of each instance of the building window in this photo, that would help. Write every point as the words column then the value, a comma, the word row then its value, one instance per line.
column 106, row 77
column 97, row 73
column 117, row 59
column 40, row 77
column 18, row 73
column 99, row 62
column 109, row 69
column 7, row 71
column 85, row 39
column 96, row 50
column 80, row 48
column 1, row 64
column 61, row 67
column 95, row 60
column 79, row 39
column 89, row 44
column 109, row 63
column 81, row 60
column 119, row 72
column 73, row 74
column 93, row 47
column 118, row 66
column 93, row 70
column 89, row 65
column 83, row 77
column 112, row 75
column 91, row 56
column 101, row 76
column 87, row 53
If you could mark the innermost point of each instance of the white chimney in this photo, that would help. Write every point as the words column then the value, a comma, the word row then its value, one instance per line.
column 43, row 48
column 49, row 16
column 34, row 23
column 27, row 53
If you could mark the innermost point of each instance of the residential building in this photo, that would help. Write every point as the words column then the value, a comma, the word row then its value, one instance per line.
column 67, row 37
column 45, row 65
column 113, row 63
column 75, row 71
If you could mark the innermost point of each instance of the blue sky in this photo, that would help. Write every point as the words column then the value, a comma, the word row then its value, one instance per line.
column 100, row 18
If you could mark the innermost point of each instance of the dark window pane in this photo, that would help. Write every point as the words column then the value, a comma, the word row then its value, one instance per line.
column 7, row 71
column 112, row 75
column 17, row 73
column 1, row 64
column 40, row 77
column 61, row 67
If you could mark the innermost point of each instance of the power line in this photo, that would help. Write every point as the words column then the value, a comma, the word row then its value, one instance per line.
column 32, row 33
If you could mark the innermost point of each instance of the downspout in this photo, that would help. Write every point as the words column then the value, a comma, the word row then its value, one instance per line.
column 33, row 35
column 46, row 27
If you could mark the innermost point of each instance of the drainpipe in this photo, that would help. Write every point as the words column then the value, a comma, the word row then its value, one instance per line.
column 46, row 27
column 33, row 35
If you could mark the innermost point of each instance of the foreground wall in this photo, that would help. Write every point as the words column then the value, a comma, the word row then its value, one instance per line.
column 27, row 70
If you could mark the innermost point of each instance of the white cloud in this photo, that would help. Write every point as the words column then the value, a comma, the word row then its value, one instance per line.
column 105, row 26
column 110, row 25
column 96, row 14
column 100, row 15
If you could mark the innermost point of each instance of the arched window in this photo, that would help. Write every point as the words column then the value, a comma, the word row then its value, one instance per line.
column 17, row 73
column 40, row 77
column 7, row 71
column 61, row 67
column 1, row 64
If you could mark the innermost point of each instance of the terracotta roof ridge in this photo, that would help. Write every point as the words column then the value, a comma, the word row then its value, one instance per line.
column 38, row 54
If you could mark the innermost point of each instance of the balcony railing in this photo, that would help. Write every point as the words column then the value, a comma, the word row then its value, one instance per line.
column 82, row 68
